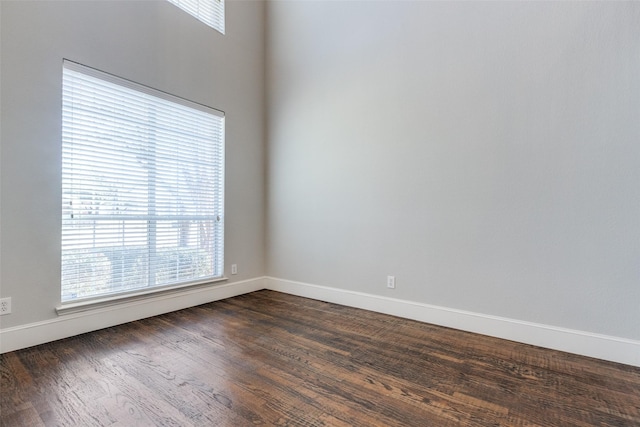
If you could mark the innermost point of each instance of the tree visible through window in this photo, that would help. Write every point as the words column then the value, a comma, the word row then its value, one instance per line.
column 142, row 187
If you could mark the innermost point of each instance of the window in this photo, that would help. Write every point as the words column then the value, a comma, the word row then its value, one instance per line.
column 211, row 12
column 142, row 187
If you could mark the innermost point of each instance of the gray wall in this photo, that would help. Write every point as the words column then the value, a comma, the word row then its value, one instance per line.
column 150, row 42
column 486, row 154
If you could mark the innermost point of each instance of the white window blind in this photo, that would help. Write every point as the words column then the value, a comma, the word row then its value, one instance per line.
column 211, row 12
column 142, row 187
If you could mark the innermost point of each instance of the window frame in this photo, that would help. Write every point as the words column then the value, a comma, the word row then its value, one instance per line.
column 75, row 304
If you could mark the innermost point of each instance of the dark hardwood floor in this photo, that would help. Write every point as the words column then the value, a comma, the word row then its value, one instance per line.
column 268, row 358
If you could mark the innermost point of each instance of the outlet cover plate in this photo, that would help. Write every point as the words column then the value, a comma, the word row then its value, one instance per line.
column 5, row 306
column 391, row 282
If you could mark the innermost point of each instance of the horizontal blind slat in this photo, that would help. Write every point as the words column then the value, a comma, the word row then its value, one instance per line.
column 211, row 12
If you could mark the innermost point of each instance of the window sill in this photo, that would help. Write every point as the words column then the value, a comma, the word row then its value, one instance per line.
column 115, row 300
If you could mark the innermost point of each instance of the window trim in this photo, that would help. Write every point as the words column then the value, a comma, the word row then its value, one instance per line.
column 168, row 291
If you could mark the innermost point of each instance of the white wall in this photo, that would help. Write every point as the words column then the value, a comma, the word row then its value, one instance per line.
column 150, row 42
column 486, row 154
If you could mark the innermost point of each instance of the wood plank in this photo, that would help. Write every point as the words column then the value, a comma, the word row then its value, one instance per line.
column 269, row 358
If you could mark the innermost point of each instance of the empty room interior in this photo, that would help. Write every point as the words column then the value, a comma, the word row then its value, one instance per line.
column 319, row 213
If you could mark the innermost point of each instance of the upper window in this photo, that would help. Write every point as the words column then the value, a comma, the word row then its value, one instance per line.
column 142, row 187
column 211, row 12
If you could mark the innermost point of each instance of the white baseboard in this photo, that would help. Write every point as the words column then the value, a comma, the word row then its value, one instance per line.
column 604, row 347
column 68, row 325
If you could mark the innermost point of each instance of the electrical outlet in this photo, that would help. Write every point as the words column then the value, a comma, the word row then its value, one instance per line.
column 391, row 282
column 234, row 268
column 5, row 306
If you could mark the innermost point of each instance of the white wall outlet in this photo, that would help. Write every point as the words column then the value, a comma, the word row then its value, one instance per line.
column 5, row 306
column 234, row 268
column 391, row 282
